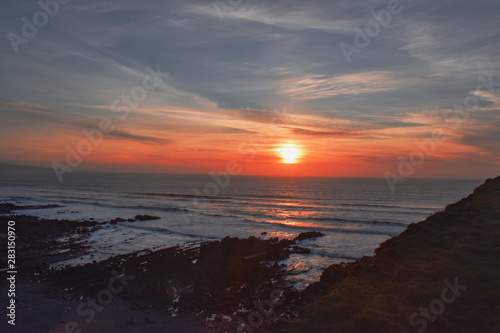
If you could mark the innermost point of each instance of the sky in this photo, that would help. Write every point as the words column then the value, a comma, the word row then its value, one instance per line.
column 351, row 88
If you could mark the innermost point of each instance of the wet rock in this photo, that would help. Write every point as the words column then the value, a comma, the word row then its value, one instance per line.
column 308, row 234
column 216, row 277
column 235, row 261
column 301, row 250
column 118, row 219
column 146, row 217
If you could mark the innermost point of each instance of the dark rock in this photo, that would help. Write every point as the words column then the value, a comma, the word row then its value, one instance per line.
column 146, row 217
column 118, row 219
column 308, row 234
column 301, row 250
column 234, row 261
column 336, row 273
column 131, row 322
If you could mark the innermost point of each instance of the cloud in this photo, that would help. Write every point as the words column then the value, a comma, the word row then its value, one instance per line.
column 477, row 127
column 21, row 116
column 225, row 78
column 292, row 16
column 315, row 86
column 136, row 137
column 319, row 132
column 483, row 136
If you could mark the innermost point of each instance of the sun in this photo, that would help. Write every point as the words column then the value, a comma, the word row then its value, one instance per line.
column 289, row 154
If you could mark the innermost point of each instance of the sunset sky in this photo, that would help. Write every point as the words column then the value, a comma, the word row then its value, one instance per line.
column 263, row 83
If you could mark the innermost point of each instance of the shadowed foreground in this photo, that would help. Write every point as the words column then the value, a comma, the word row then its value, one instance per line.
column 440, row 275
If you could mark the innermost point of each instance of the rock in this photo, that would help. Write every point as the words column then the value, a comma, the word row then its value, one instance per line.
column 131, row 322
column 234, row 260
column 301, row 250
column 118, row 219
column 336, row 273
column 308, row 234
column 146, row 217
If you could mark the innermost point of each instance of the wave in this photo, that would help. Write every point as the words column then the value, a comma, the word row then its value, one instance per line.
column 225, row 196
column 220, row 215
column 326, row 229
column 269, row 196
column 251, row 199
column 8, row 199
column 398, row 224
column 324, row 219
column 184, row 195
column 383, row 206
column 333, row 255
column 139, row 207
column 169, row 232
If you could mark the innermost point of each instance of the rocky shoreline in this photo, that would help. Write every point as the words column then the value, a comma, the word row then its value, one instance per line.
column 239, row 285
column 220, row 285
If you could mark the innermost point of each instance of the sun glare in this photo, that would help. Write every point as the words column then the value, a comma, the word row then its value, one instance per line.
column 289, row 154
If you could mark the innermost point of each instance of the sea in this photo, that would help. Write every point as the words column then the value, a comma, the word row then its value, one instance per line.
column 355, row 214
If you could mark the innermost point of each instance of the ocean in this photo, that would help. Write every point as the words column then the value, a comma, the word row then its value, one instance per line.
column 355, row 214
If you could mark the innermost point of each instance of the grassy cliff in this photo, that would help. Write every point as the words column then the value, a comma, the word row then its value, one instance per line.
column 439, row 275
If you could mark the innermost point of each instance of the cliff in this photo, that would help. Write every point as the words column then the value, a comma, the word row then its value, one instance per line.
column 439, row 275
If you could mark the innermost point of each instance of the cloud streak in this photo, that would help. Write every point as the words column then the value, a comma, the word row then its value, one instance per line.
column 225, row 78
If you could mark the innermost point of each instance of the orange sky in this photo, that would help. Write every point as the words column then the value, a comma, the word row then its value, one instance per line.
column 190, row 141
column 179, row 89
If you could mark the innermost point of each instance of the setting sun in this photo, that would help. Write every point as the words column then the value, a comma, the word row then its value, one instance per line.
column 289, row 154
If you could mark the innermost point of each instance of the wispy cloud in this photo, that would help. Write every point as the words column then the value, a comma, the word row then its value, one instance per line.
column 293, row 16
column 225, row 78
column 314, row 86
column 137, row 137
